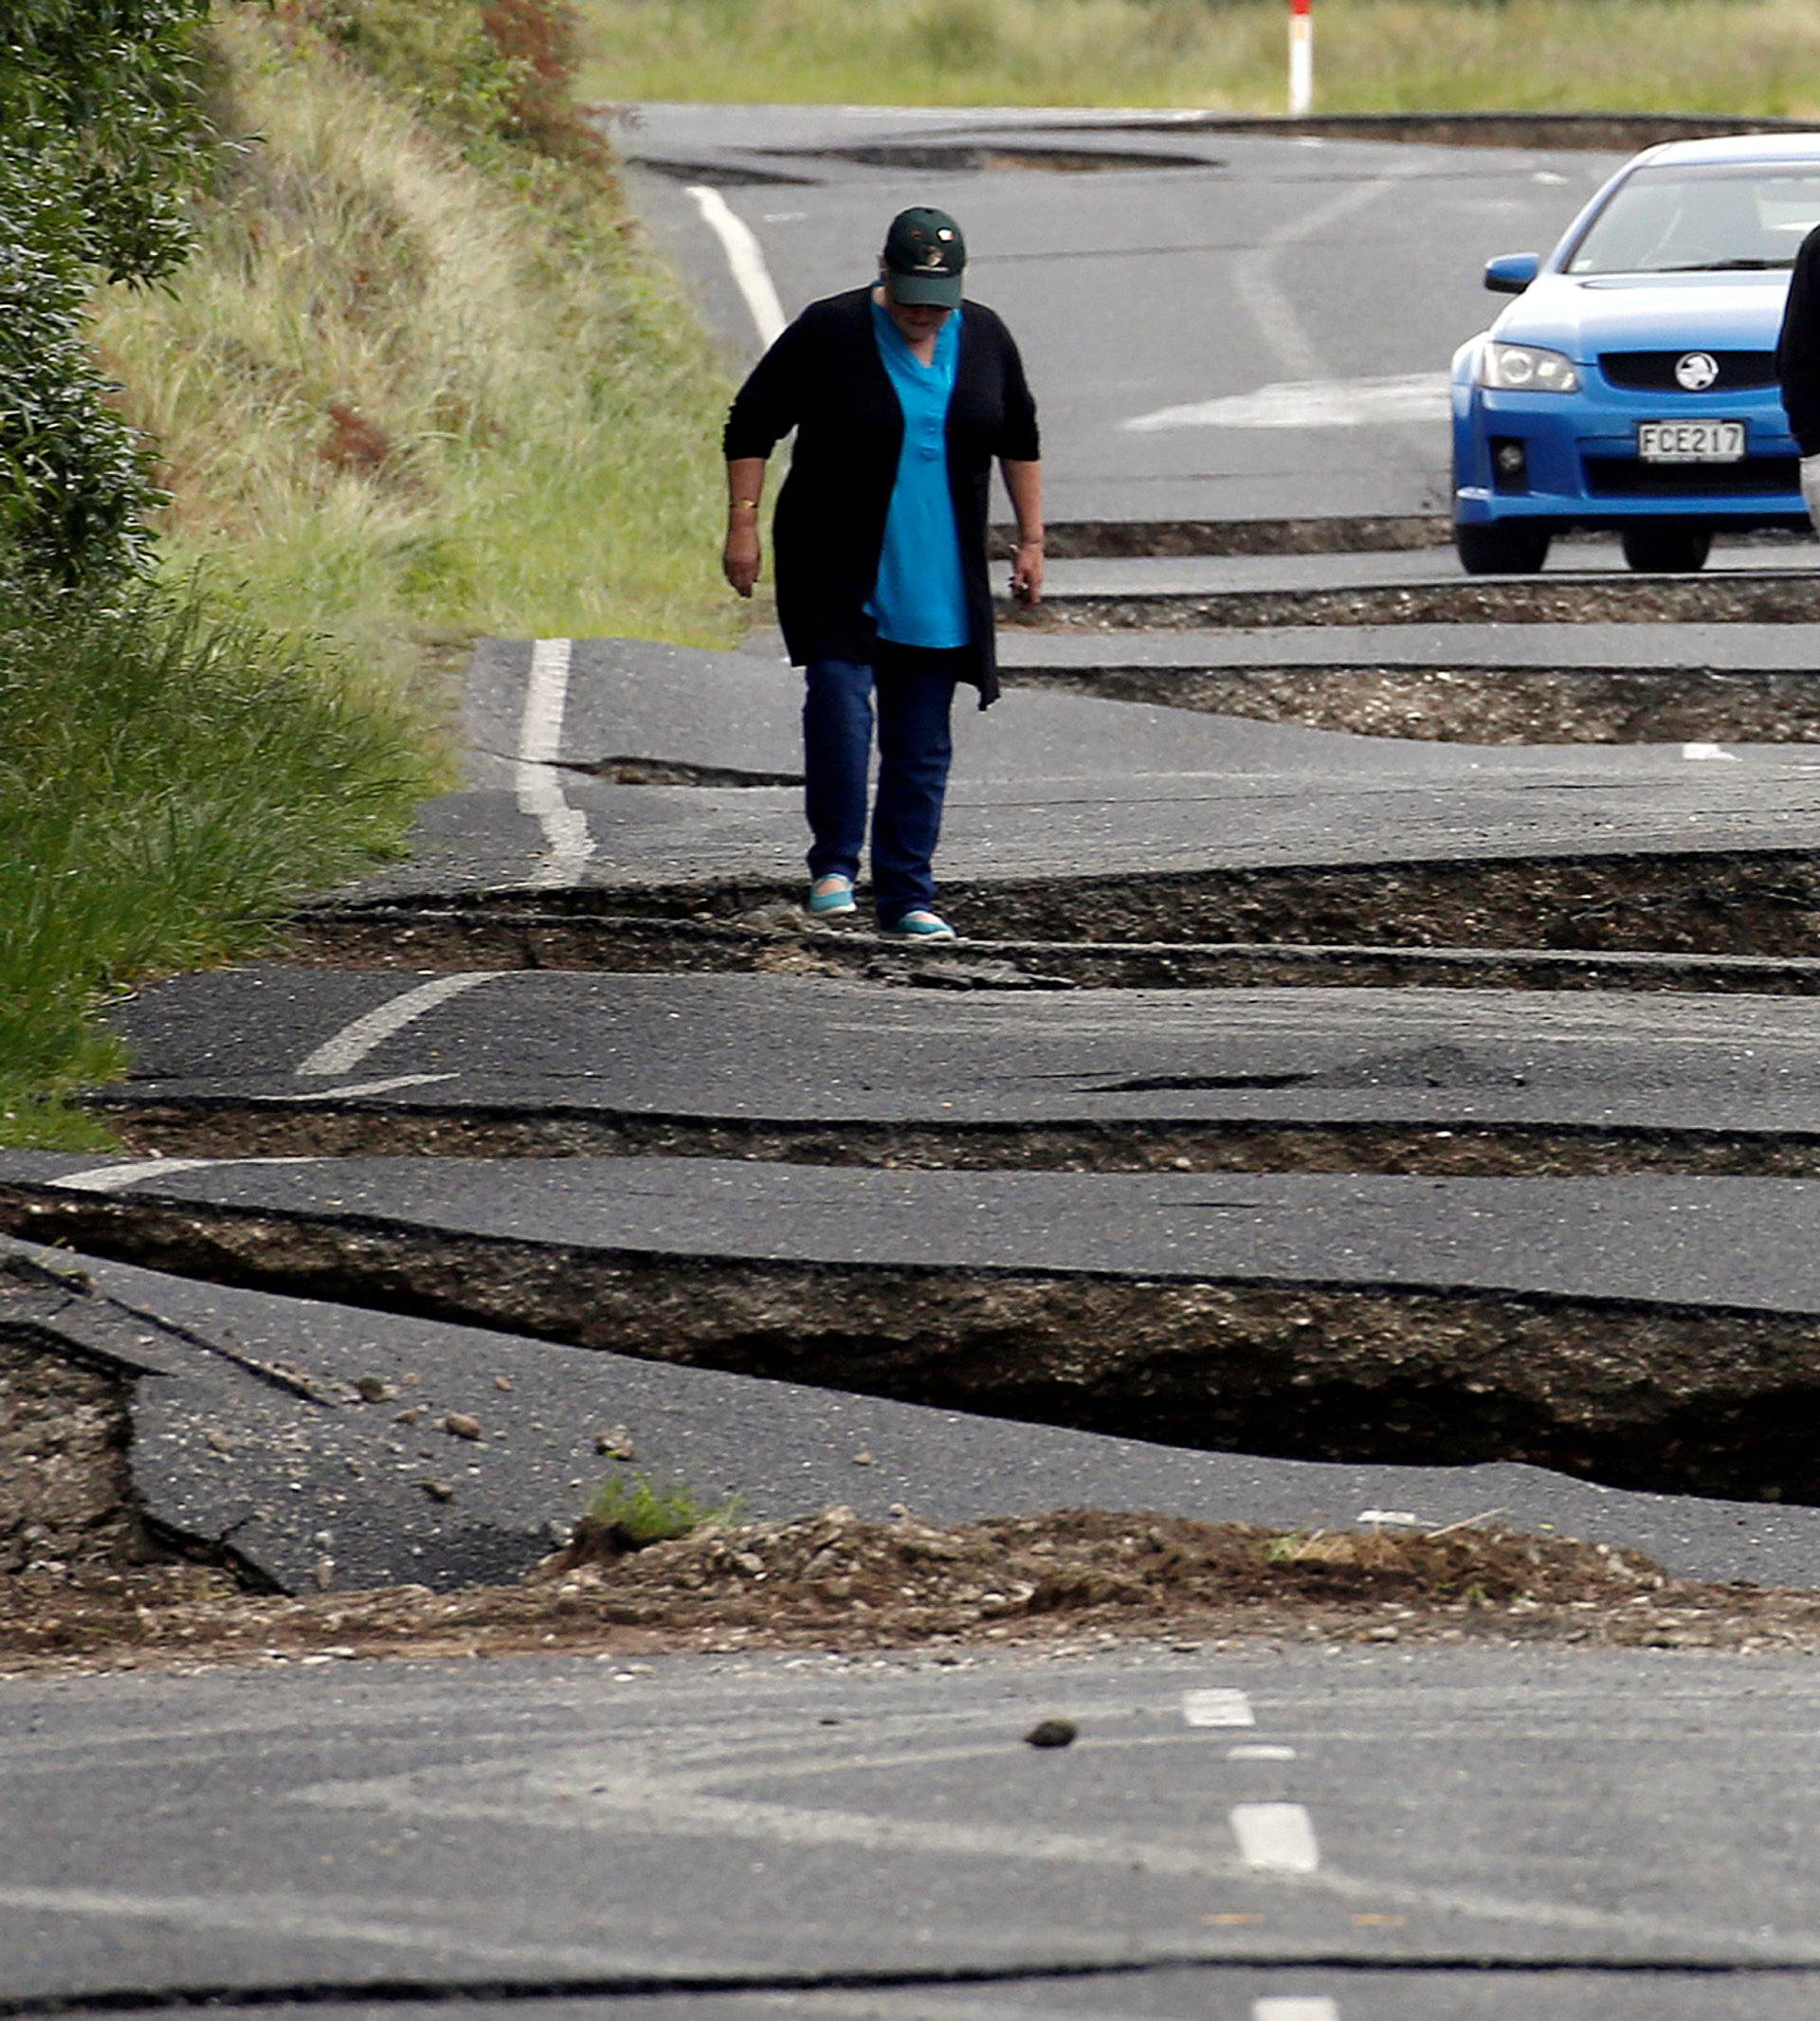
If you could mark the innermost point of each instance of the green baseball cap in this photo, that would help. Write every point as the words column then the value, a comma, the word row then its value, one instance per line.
column 924, row 254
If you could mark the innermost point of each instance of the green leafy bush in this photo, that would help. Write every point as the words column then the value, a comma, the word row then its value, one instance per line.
column 100, row 140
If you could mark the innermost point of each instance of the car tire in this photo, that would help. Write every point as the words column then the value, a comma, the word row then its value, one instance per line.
column 1666, row 550
column 1507, row 549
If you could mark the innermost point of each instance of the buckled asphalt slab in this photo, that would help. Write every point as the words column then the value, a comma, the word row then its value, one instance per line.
column 308, row 1442
column 892, row 1281
column 1717, row 648
column 269, row 1059
column 1101, row 815
column 1644, row 1331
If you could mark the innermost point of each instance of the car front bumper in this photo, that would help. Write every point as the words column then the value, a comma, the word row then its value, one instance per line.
column 1571, row 460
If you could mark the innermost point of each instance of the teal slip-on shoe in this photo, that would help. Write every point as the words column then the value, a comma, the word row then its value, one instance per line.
column 830, row 894
column 922, row 926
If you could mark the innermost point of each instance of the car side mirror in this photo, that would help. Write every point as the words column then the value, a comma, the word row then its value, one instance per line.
column 1511, row 273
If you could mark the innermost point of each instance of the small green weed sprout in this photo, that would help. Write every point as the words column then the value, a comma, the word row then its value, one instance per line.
column 625, row 1515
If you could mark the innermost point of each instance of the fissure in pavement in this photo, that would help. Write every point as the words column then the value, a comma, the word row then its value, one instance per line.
column 1473, row 705
column 1664, row 1397
column 976, row 157
column 1767, row 599
column 1756, row 902
column 492, row 935
column 218, row 1127
column 1357, row 533
column 229, row 1997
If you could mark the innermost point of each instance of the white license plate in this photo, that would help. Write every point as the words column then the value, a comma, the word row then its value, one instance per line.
column 1690, row 442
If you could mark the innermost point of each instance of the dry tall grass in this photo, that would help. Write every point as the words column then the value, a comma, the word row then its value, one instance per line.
column 1747, row 57
column 398, row 399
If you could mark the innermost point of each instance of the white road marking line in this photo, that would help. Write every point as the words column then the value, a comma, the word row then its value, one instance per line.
column 1259, row 1751
column 105, row 1178
column 360, row 1087
column 1710, row 750
column 350, row 1046
column 746, row 256
column 1217, row 1708
column 458, row 1935
column 1256, row 284
column 1295, row 2007
column 1311, row 403
column 567, row 842
column 1276, row 1838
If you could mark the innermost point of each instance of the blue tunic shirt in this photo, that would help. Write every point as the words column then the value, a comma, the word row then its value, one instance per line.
column 920, row 596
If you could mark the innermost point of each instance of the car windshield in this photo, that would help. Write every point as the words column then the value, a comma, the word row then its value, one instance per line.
column 1690, row 220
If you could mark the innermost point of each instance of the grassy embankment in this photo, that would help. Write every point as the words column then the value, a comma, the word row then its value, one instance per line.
column 1744, row 57
column 402, row 397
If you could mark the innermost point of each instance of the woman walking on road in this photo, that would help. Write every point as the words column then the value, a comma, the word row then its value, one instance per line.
column 901, row 398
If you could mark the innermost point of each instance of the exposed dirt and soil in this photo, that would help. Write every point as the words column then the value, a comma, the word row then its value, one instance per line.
column 1751, row 903
column 1664, row 1397
column 1770, row 599
column 66, row 1495
column 1362, row 533
column 834, row 1582
column 220, row 1128
column 1475, row 704
column 496, row 933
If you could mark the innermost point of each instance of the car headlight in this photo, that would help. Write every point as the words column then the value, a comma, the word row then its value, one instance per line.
column 1527, row 368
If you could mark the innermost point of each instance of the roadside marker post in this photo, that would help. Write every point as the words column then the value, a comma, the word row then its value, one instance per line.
column 1302, row 58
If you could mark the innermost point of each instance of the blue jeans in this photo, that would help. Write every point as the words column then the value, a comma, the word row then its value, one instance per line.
column 915, row 750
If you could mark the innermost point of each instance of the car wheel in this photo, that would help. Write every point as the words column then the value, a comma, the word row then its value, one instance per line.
column 1511, row 548
column 1666, row 550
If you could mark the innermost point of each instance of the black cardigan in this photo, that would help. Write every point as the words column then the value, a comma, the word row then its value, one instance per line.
column 1797, row 350
column 824, row 379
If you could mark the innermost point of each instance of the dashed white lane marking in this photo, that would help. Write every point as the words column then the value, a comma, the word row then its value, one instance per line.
column 1311, row 403
column 745, row 256
column 351, row 1044
column 1276, row 1838
column 360, row 1087
column 1259, row 1751
column 105, row 1178
column 1710, row 750
column 566, row 840
column 1295, row 2007
column 1217, row 1708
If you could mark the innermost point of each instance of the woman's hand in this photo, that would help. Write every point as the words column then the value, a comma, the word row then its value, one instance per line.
column 1027, row 571
column 743, row 556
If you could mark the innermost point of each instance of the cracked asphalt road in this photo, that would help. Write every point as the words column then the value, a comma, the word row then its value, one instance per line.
column 1271, row 1833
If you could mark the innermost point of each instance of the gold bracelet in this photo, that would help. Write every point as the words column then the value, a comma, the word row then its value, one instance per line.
column 742, row 504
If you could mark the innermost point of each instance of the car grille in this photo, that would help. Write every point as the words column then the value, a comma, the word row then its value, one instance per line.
column 1613, row 477
column 1652, row 371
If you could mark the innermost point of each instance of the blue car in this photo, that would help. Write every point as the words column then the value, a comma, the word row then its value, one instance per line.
column 1632, row 385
